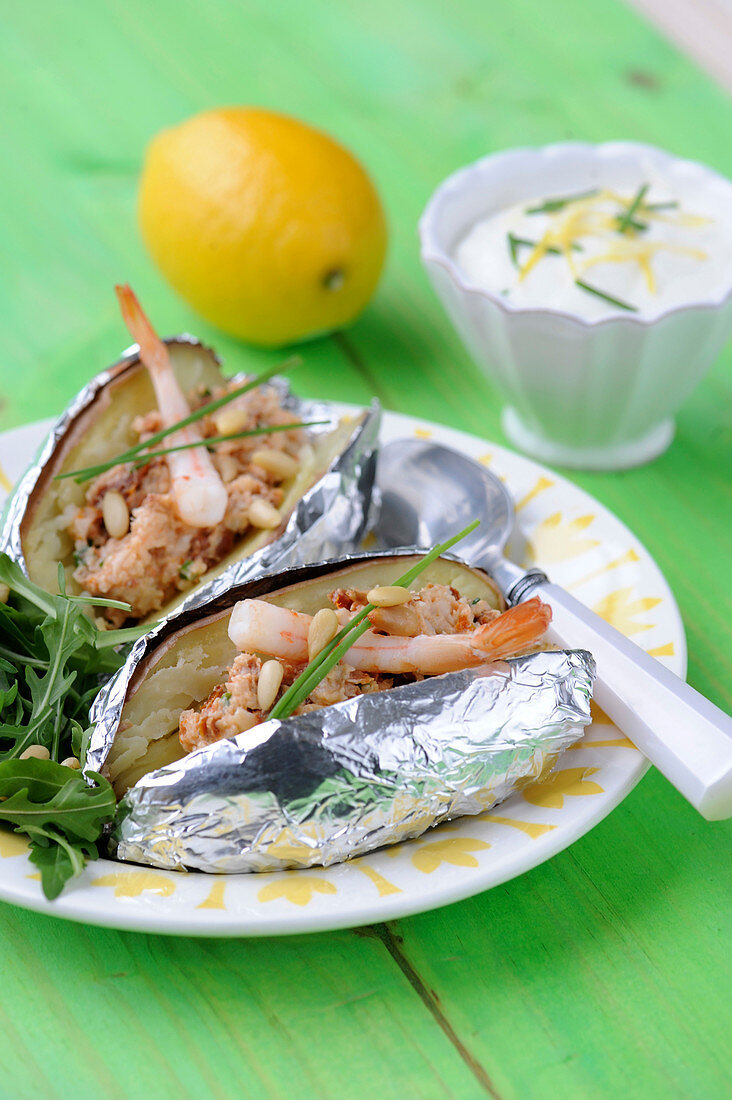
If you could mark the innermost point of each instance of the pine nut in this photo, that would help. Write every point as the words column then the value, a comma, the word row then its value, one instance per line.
column 231, row 420
column 116, row 514
column 263, row 514
column 323, row 629
column 35, row 752
column 270, row 679
column 228, row 468
column 245, row 720
column 388, row 595
column 4, row 593
column 277, row 463
column 71, row 762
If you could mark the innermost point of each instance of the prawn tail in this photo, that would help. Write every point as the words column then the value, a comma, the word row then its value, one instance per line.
column 136, row 321
column 516, row 630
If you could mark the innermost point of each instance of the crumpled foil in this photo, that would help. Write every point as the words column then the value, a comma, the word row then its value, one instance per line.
column 377, row 769
column 333, row 515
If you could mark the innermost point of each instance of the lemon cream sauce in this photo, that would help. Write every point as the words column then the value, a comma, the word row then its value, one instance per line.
column 647, row 249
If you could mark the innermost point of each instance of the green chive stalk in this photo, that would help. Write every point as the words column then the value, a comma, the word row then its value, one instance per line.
column 331, row 654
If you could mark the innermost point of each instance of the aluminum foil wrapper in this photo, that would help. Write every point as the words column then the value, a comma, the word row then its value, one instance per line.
column 334, row 783
column 331, row 517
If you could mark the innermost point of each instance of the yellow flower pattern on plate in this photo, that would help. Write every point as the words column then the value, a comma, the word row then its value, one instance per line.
column 557, row 539
column 573, row 782
column 542, row 484
column 620, row 609
column 130, row 884
column 456, row 851
column 296, row 888
column 382, row 884
column 629, row 558
column 215, row 898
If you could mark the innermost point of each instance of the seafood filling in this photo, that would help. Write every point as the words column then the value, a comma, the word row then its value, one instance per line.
column 434, row 631
column 146, row 552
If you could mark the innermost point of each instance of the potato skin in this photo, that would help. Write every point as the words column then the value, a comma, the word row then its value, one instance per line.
column 96, row 433
column 192, row 652
column 98, row 427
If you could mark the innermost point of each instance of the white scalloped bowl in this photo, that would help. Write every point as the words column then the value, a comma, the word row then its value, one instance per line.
column 594, row 394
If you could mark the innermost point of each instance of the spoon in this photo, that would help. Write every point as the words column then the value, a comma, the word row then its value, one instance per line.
column 430, row 491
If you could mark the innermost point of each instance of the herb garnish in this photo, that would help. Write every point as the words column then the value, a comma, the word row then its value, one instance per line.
column 211, row 441
column 625, row 221
column 606, row 297
column 331, row 654
column 212, row 406
column 51, row 660
column 550, row 206
column 514, row 243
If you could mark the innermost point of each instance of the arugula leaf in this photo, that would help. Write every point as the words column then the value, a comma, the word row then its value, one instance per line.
column 49, row 690
column 16, row 580
column 41, row 793
column 59, row 660
column 80, row 738
column 53, row 661
column 62, row 815
column 58, row 860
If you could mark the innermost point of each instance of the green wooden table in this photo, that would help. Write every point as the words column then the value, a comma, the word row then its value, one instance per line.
column 603, row 973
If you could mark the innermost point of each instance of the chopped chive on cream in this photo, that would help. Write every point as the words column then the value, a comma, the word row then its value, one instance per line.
column 640, row 227
column 660, row 206
column 514, row 243
column 605, row 297
column 331, row 654
column 550, row 206
column 626, row 220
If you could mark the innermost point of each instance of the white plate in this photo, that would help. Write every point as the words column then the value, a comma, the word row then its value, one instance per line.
column 584, row 548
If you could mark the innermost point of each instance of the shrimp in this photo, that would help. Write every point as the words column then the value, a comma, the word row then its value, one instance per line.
column 258, row 626
column 199, row 492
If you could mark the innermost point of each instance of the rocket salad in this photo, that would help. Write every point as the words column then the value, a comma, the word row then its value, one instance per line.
column 52, row 661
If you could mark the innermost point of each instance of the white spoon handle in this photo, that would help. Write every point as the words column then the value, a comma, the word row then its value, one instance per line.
column 681, row 732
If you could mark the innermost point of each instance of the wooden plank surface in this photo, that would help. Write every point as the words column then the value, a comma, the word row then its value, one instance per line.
column 603, row 973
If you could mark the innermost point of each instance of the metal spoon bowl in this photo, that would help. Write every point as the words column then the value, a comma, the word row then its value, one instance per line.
column 429, row 492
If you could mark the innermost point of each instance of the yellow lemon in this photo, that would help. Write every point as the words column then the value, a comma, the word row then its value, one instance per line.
column 266, row 226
